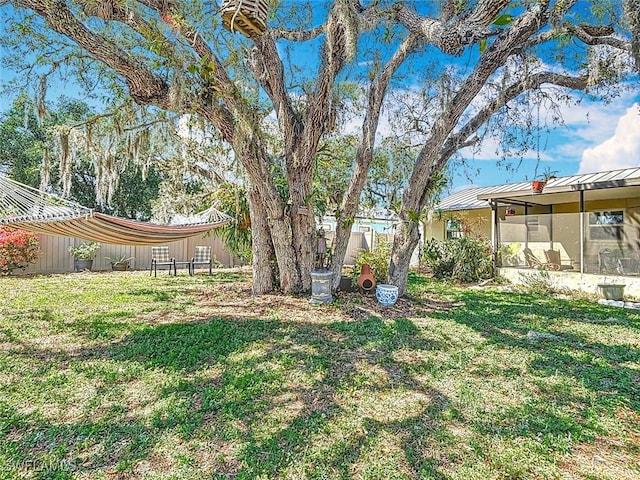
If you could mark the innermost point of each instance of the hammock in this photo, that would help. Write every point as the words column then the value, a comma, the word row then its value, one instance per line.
column 27, row 208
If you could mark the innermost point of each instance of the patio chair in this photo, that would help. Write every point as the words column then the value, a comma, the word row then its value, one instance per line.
column 202, row 257
column 534, row 262
column 553, row 258
column 160, row 257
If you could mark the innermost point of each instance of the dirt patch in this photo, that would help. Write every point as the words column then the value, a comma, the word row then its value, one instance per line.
column 236, row 300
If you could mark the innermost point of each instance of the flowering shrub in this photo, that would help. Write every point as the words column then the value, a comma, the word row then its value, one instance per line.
column 17, row 249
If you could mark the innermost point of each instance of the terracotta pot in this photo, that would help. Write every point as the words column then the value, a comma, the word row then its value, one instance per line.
column 537, row 186
column 366, row 281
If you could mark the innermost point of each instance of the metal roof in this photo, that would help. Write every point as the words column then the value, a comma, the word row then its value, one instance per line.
column 464, row 200
column 586, row 181
column 474, row 198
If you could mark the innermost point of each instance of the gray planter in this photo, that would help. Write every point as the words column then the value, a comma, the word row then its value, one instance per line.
column 321, row 287
column 79, row 265
column 611, row 291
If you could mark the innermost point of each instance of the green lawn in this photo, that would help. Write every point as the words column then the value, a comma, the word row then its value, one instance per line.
column 122, row 375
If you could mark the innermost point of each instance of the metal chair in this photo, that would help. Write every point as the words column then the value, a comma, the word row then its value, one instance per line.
column 202, row 257
column 160, row 257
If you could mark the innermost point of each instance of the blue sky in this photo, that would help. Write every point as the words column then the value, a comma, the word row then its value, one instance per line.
column 595, row 137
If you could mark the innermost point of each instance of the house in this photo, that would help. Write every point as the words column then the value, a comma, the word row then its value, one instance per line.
column 584, row 229
column 368, row 227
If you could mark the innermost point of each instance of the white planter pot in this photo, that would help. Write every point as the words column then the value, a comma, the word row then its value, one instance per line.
column 387, row 295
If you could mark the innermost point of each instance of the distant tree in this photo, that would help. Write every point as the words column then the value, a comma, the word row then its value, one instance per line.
column 27, row 153
column 231, row 199
column 22, row 143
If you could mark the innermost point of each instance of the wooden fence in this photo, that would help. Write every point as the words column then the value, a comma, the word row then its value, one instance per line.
column 55, row 256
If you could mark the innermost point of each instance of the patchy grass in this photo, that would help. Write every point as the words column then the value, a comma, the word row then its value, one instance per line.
column 122, row 375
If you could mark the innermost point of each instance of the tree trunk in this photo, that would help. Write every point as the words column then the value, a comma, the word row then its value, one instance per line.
column 263, row 253
column 303, row 223
column 404, row 243
column 429, row 160
column 269, row 206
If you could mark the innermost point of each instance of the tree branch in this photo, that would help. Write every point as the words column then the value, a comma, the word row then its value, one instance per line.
column 451, row 36
column 297, row 35
column 457, row 141
column 595, row 35
column 168, row 11
column 416, row 195
column 268, row 70
column 144, row 86
column 339, row 46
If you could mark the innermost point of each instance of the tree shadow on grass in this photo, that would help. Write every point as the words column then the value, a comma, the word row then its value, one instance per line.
column 552, row 333
column 258, row 392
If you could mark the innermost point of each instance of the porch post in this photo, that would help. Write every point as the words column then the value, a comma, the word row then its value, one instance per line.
column 551, row 226
column 581, row 231
column 494, row 232
column 526, row 225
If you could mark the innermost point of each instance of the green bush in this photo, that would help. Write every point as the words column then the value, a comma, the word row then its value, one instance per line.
column 378, row 259
column 465, row 259
column 85, row 251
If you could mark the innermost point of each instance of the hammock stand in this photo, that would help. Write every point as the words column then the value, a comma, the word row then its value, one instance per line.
column 25, row 207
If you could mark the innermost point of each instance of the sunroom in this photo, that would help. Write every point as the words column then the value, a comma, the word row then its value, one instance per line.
column 584, row 227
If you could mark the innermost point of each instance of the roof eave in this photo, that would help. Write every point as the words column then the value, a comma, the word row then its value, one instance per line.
column 562, row 189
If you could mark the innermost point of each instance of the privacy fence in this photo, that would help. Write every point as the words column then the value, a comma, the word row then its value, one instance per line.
column 55, row 256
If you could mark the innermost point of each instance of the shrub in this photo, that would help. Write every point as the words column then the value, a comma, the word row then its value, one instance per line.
column 378, row 259
column 85, row 251
column 465, row 259
column 17, row 249
column 539, row 283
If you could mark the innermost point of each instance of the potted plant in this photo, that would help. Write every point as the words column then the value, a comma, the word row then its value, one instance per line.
column 83, row 255
column 538, row 185
column 120, row 264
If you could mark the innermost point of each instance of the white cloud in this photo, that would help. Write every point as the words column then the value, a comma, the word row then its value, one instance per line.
column 622, row 150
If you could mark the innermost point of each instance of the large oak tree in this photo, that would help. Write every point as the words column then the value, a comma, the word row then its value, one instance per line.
column 484, row 57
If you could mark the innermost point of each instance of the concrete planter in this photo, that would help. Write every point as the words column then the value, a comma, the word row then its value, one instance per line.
column 321, row 287
column 611, row 291
column 80, row 265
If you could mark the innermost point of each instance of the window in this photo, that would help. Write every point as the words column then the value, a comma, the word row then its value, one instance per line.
column 606, row 225
column 453, row 229
column 364, row 229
